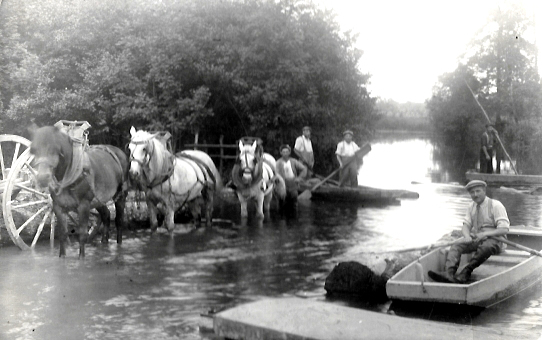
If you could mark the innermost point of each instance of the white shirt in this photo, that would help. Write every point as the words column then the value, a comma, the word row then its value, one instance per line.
column 345, row 149
column 497, row 217
column 288, row 172
column 302, row 143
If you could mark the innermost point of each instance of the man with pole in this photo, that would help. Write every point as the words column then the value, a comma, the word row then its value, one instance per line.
column 487, row 149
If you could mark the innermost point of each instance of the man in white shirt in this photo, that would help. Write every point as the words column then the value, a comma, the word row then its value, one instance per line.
column 293, row 172
column 485, row 217
column 303, row 149
column 346, row 155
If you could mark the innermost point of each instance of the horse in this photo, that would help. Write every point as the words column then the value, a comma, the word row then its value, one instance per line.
column 255, row 177
column 171, row 182
column 79, row 178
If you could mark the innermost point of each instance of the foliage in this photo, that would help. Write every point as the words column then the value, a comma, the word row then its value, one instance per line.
column 501, row 68
column 232, row 68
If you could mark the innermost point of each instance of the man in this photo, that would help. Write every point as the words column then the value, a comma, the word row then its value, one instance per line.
column 293, row 172
column 346, row 152
column 485, row 217
column 303, row 149
column 487, row 150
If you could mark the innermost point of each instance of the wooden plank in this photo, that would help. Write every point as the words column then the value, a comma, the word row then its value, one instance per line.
column 295, row 318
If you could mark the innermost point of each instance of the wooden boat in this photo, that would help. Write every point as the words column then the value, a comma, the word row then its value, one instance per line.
column 505, row 179
column 359, row 194
column 497, row 279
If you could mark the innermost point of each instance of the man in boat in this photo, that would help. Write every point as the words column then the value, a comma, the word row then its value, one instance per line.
column 293, row 172
column 346, row 152
column 487, row 150
column 485, row 217
column 303, row 150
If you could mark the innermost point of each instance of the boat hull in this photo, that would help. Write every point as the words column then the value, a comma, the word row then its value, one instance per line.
column 499, row 278
column 506, row 180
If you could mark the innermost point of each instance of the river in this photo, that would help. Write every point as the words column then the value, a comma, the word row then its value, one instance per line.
column 156, row 287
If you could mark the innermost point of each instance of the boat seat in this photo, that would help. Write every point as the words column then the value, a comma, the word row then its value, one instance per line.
column 509, row 257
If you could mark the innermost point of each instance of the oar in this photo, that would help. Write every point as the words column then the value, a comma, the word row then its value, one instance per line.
column 489, row 121
column 429, row 247
column 307, row 194
column 518, row 246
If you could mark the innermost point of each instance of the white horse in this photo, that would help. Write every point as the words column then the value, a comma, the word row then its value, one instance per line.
column 172, row 182
column 254, row 176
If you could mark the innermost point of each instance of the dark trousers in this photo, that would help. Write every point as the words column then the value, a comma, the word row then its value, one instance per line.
column 290, row 202
column 349, row 174
column 486, row 166
column 482, row 251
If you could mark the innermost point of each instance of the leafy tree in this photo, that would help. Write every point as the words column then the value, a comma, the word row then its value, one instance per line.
column 500, row 66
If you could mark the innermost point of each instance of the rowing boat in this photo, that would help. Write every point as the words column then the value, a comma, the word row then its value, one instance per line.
column 504, row 179
column 497, row 279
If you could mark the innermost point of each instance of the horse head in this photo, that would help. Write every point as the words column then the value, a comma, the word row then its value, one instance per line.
column 249, row 162
column 149, row 156
column 52, row 153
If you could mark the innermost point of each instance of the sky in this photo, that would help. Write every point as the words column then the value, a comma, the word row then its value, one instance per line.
column 408, row 44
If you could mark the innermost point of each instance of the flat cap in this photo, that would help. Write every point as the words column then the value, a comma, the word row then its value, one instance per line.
column 348, row 132
column 475, row 183
column 306, row 127
column 285, row 146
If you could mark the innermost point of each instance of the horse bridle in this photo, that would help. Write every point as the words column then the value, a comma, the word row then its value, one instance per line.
column 148, row 155
column 247, row 167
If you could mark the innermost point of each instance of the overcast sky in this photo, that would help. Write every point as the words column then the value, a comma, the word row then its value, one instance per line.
column 408, row 44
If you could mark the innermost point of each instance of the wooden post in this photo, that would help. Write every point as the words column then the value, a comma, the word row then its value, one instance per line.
column 221, row 142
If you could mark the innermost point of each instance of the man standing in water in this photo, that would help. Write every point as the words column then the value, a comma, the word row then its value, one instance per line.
column 485, row 217
column 293, row 172
column 486, row 150
column 346, row 151
column 303, row 149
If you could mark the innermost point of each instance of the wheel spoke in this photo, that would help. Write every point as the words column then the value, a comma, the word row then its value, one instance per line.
column 32, row 190
column 29, row 204
column 15, row 153
column 30, row 219
column 40, row 228
column 2, row 165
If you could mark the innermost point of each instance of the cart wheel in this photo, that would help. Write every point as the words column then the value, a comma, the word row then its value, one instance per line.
column 27, row 208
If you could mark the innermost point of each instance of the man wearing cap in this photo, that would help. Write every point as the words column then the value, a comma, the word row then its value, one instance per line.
column 485, row 217
column 486, row 150
column 346, row 152
column 303, row 149
column 293, row 172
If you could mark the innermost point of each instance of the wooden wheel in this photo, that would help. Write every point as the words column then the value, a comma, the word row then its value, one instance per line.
column 27, row 209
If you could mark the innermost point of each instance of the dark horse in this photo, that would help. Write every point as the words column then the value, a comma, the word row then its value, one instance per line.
column 79, row 180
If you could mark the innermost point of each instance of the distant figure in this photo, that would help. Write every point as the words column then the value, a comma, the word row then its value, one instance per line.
column 303, row 150
column 346, row 154
column 487, row 150
column 485, row 217
column 293, row 172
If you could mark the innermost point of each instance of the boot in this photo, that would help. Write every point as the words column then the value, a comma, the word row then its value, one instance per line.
column 446, row 276
column 478, row 258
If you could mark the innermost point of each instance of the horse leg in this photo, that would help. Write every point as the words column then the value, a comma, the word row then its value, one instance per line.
column 195, row 210
column 153, row 211
column 243, row 201
column 209, row 206
column 62, row 223
column 119, row 217
column 83, row 211
column 267, row 202
column 105, row 217
column 259, row 205
column 170, row 219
